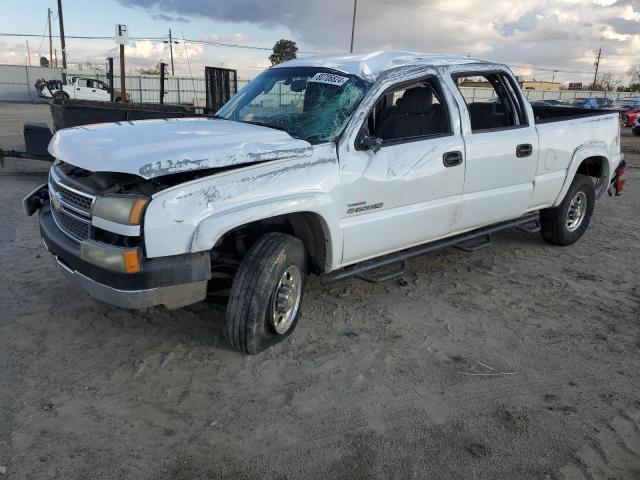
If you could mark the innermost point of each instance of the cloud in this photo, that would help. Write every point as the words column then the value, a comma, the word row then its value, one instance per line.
column 562, row 33
column 168, row 18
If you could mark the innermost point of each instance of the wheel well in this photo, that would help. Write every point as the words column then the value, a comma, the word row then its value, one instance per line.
column 593, row 167
column 307, row 226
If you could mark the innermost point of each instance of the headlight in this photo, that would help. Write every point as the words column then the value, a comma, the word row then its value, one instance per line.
column 123, row 209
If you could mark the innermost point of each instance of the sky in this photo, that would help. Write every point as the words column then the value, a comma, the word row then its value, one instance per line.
column 541, row 39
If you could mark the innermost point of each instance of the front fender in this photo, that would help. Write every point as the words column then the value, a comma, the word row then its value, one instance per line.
column 584, row 151
column 213, row 227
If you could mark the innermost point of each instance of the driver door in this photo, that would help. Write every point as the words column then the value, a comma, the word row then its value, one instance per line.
column 405, row 191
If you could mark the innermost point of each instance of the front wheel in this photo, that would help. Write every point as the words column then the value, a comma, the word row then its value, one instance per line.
column 566, row 223
column 265, row 298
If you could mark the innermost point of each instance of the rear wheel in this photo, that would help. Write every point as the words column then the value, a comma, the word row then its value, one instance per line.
column 265, row 298
column 636, row 131
column 566, row 223
column 61, row 94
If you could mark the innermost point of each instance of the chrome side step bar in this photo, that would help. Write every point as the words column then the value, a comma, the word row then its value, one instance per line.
column 528, row 223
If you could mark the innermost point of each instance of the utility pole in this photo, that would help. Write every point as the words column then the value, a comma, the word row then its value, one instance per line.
column 353, row 23
column 162, row 67
column 62, row 42
column 110, row 77
column 28, row 53
column 50, row 40
column 55, row 56
column 123, row 89
column 122, row 38
column 597, row 64
column 171, row 42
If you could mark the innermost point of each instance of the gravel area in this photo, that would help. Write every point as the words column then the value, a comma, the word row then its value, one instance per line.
column 518, row 361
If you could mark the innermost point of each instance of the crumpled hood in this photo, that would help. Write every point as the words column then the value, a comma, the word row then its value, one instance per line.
column 153, row 148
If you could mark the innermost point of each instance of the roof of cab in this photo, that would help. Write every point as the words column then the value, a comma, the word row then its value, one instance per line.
column 370, row 65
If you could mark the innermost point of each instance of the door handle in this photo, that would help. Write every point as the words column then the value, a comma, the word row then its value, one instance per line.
column 524, row 150
column 451, row 159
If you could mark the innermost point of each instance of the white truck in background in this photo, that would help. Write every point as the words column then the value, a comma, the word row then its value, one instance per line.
column 335, row 165
column 80, row 88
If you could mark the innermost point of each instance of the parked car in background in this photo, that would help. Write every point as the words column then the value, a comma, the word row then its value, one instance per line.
column 548, row 103
column 628, row 118
column 629, row 109
column 592, row 103
column 627, row 103
column 80, row 88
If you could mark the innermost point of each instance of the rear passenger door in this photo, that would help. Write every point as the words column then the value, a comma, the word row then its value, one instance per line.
column 501, row 148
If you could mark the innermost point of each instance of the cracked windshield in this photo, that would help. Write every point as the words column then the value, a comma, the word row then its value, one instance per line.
column 308, row 103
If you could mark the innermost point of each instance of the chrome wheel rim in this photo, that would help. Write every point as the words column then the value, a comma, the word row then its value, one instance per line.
column 577, row 211
column 286, row 299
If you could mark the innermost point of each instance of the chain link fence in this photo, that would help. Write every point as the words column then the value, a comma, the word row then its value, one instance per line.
column 16, row 84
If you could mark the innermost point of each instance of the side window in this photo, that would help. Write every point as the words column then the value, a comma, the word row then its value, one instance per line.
column 410, row 111
column 82, row 82
column 492, row 101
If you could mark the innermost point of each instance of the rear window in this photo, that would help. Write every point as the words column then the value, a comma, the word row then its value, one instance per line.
column 492, row 101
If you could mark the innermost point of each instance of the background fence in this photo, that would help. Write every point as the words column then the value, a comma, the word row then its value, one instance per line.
column 16, row 84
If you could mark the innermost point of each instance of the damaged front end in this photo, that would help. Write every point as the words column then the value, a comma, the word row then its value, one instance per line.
column 92, row 223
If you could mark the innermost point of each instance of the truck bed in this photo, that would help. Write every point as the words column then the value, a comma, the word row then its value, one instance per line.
column 549, row 114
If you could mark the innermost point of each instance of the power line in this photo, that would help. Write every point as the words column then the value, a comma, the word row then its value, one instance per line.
column 159, row 39
column 251, row 47
column 517, row 25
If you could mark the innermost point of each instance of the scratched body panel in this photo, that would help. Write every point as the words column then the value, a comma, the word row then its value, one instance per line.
column 192, row 216
column 153, row 148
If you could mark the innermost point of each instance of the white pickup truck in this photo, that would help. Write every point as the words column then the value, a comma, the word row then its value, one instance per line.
column 80, row 88
column 340, row 166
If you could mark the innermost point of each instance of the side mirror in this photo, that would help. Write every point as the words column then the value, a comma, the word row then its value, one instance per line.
column 369, row 142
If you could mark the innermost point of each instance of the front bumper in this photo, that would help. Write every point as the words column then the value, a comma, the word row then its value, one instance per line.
column 170, row 281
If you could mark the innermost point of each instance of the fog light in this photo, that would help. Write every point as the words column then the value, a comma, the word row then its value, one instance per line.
column 124, row 260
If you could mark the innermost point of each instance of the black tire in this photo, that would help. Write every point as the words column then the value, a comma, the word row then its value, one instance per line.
column 636, row 131
column 61, row 94
column 553, row 221
column 249, row 326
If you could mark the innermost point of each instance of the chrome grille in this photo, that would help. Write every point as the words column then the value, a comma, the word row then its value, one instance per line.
column 71, row 208
column 72, row 225
column 81, row 202
column 71, row 198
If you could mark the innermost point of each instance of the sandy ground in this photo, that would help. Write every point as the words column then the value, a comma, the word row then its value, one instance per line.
column 519, row 361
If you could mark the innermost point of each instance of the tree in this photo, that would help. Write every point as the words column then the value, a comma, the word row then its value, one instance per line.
column 44, row 62
column 283, row 50
column 150, row 71
column 635, row 74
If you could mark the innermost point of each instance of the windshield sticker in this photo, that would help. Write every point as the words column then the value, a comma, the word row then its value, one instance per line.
column 329, row 78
